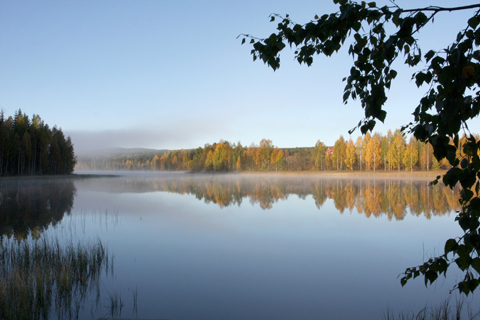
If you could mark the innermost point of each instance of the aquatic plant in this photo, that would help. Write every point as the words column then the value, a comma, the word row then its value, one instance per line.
column 39, row 277
column 442, row 311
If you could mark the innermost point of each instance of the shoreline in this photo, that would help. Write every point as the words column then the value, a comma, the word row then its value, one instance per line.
column 400, row 175
column 60, row 176
column 393, row 175
column 365, row 175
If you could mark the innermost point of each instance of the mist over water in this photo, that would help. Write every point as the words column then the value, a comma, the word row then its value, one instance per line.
column 167, row 136
column 254, row 246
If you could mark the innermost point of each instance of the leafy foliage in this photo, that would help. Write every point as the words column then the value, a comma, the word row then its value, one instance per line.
column 226, row 156
column 452, row 76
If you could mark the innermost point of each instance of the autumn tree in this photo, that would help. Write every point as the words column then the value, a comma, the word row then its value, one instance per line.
column 396, row 150
column 350, row 155
column 360, row 152
column 426, row 156
column 318, row 155
column 251, row 157
column 238, row 166
column 377, row 36
column 277, row 158
column 238, row 156
column 339, row 149
column 373, row 153
column 410, row 157
column 209, row 160
column 155, row 164
column 265, row 154
column 220, row 157
column 385, row 146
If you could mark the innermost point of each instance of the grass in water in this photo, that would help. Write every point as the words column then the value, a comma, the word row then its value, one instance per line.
column 444, row 311
column 115, row 304
column 39, row 277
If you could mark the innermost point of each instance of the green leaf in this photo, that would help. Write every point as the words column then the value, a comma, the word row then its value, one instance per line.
column 357, row 25
column 420, row 19
column 450, row 245
column 476, row 264
column 381, row 115
column 463, row 260
column 430, row 276
column 429, row 55
column 473, row 22
column 442, row 266
column 419, row 79
column 475, row 202
column 243, row 40
column 371, row 125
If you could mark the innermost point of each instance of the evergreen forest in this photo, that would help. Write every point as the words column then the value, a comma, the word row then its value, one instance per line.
column 29, row 146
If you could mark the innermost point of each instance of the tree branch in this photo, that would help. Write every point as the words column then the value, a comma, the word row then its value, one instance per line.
column 438, row 9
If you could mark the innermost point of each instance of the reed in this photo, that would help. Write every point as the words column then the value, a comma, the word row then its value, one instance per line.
column 443, row 311
column 39, row 277
column 135, row 300
column 115, row 304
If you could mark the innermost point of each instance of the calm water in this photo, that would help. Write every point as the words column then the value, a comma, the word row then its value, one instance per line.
column 245, row 247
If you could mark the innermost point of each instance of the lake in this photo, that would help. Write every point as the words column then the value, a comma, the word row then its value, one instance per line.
column 229, row 246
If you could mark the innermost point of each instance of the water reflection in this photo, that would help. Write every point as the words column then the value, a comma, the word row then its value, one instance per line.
column 29, row 207
column 393, row 198
column 299, row 258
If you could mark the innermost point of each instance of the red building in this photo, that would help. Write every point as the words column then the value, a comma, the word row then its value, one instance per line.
column 329, row 151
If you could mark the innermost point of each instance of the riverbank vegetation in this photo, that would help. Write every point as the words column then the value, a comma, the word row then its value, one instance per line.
column 29, row 146
column 391, row 152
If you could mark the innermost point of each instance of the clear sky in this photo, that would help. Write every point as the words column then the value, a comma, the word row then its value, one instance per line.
column 171, row 74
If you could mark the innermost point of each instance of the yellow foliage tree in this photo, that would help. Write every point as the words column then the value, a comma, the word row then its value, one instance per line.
column 277, row 157
column 239, row 163
column 220, row 157
column 396, row 150
column 339, row 153
column 350, row 156
column 410, row 157
column 373, row 153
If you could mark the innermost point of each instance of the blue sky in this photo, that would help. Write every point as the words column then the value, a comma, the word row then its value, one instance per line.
column 172, row 74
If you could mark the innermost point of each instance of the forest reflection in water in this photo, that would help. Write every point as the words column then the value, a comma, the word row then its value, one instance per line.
column 203, row 240
column 393, row 198
column 29, row 207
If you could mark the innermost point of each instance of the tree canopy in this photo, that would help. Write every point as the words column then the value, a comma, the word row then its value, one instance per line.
column 32, row 147
column 378, row 36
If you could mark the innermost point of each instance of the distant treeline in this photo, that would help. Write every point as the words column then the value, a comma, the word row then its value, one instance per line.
column 367, row 153
column 29, row 146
